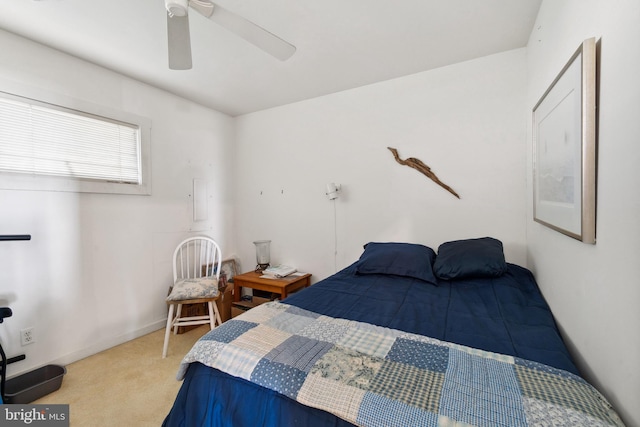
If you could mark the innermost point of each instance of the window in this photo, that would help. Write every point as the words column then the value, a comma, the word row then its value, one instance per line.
column 46, row 146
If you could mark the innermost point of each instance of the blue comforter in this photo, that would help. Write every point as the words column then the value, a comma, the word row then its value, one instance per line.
column 505, row 315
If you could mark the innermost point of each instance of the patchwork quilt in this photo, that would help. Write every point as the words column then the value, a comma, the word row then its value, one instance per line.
column 374, row 376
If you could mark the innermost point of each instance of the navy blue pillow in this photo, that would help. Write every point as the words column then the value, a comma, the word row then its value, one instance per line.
column 399, row 259
column 470, row 258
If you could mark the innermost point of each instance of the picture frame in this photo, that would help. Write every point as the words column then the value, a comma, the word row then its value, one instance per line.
column 229, row 267
column 564, row 149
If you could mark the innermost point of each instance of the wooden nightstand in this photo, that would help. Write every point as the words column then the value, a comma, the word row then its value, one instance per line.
column 282, row 287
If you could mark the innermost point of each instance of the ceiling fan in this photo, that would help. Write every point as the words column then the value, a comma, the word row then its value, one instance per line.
column 180, row 41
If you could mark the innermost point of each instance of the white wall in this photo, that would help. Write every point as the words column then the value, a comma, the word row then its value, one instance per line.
column 593, row 289
column 98, row 266
column 465, row 121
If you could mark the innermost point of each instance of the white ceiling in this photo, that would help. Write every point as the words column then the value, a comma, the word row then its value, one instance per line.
column 341, row 44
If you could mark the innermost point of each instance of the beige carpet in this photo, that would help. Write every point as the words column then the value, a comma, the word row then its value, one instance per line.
column 128, row 385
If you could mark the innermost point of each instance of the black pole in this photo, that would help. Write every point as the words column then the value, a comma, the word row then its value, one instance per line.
column 3, row 374
column 6, row 312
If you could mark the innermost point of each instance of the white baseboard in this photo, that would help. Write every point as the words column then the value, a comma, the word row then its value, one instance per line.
column 102, row 346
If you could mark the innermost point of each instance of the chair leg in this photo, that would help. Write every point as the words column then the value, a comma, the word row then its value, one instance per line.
column 167, row 331
column 218, row 318
column 212, row 315
column 215, row 313
column 178, row 314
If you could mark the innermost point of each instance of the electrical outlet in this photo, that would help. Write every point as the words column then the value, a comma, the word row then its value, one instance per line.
column 27, row 336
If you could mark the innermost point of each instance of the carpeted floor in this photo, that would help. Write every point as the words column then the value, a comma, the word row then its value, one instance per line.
column 128, row 385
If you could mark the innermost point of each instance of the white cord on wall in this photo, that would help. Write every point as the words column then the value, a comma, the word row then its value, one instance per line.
column 332, row 193
column 335, row 238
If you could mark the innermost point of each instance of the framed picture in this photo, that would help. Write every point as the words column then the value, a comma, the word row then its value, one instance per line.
column 228, row 267
column 564, row 144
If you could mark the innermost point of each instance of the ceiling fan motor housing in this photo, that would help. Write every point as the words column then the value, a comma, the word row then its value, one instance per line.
column 177, row 7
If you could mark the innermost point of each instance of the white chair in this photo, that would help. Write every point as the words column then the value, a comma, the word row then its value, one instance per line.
column 196, row 270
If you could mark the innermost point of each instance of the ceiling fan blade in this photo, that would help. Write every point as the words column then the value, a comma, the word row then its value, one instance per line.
column 246, row 29
column 179, row 42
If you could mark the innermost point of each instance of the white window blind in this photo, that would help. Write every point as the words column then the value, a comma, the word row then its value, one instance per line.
column 44, row 139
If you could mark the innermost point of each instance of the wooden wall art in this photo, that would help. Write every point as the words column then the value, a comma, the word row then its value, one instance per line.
column 418, row 165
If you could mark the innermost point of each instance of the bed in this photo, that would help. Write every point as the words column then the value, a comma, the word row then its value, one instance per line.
column 401, row 337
